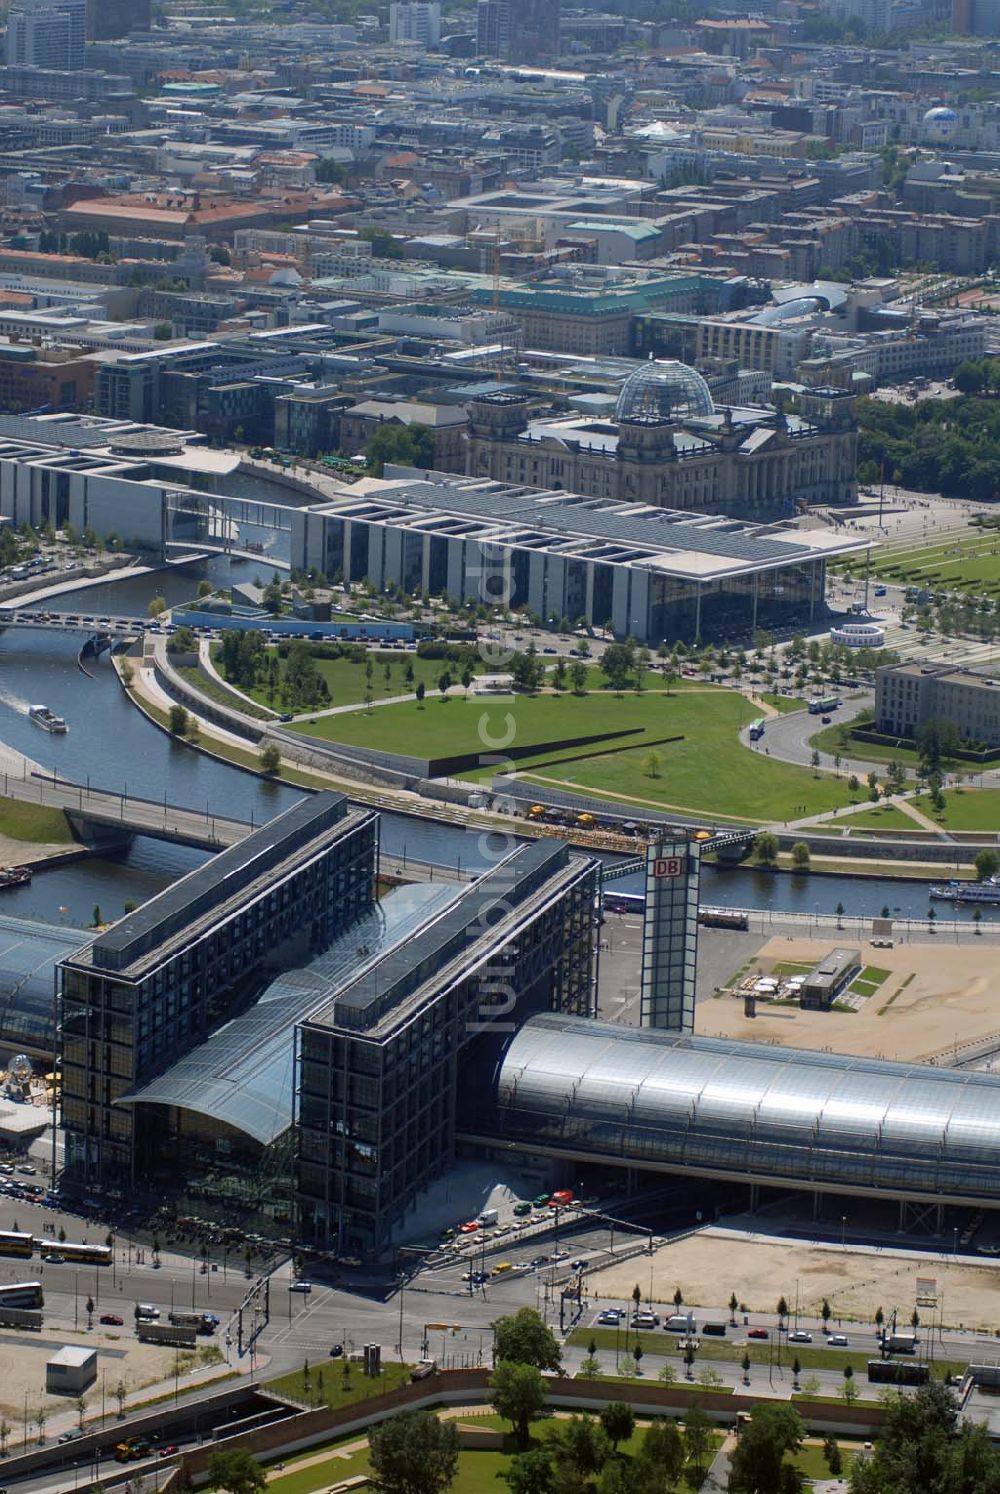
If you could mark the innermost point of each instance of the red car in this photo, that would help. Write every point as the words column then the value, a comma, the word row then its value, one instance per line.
column 758, row 1333
column 168, row 1449
column 469, row 1228
column 112, row 1319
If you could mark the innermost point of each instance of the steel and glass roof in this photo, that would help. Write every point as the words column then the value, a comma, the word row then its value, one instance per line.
column 744, row 1110
column 244, row 1075
column 29, row 955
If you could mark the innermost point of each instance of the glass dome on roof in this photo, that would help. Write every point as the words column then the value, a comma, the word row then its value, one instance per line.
column 666, row 388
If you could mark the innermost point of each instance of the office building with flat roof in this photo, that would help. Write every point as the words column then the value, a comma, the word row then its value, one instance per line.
column 653, row 572
column 909, row 695
column 378, row 1065
column 158, row 983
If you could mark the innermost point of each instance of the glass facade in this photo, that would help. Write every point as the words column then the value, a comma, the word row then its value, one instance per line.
column 800, row 1118
column 670, row 936
column 124, row 1023
column 377, row 1072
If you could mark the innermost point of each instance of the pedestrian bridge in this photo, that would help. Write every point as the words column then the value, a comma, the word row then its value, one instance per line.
column 104, row 816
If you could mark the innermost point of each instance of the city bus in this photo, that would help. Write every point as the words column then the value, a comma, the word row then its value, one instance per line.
column 757, row 728
column 77, row 1255
column 22, row 1294
column 823, row 703
column 15, row 1242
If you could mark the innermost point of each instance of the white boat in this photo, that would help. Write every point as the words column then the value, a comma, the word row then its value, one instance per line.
column 46, row 719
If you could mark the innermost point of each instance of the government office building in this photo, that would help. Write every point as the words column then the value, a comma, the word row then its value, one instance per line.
column 653, row 573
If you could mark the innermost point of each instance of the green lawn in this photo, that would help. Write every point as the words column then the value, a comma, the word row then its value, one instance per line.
column 207, row 686
column 811, row 1463
column 33, row 823
column 348, row 682
column 837, row 738
column 784, row 703
column 882, row 817
column 477, row 1471
column 327, row 1385
column 706, row 770
column 958, row 561
column 965, row 809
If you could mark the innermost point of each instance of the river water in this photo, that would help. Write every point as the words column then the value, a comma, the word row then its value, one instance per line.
column 110, row 743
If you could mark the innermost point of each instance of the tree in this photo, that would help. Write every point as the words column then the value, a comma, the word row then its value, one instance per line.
column 89, row 1309
column 659, row 1461
column 832, row 1454
column 156, row 607
column 826, row 1313
column 40, row 1417
column 697, row 1436
column 618, row 1421
column 745, row 1367
column 236, row 1470
column 796, row 1372
column 177, row 721
column 734, row 1303
column 652, row 763
column 97, row 917
column 531, row 1472
column 617, row 664
column 757, row 1463
column 986, row 862
column 163, row 331
column 766, row 848
column 519, row 1395
column 850, row 1390
column 801, row 859
column 937, row 741
column 270, row 759
column 524, row 1338
column 120, row 1394
column 81, row 1409
column 852, row 784
column 782, row 1310
column 583, row 1443
column 637, row 1355
column 402, row 445
column 578, row 677
column 413, row 1452
column 921, row 1449
column 420, row 692
column 444, row 683
column 879, row 1318
column 815, row 761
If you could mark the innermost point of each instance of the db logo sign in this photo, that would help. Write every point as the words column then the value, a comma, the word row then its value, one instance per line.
column 668, row 866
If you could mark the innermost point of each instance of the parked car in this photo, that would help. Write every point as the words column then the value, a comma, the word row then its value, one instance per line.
column 112, row 1319
column 800, row 1336
column 337, row 1351
column 758, row 1333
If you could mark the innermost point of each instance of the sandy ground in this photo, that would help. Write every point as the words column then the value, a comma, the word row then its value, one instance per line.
column 949, row 1001
column 709, row 1266
column 22, row 1369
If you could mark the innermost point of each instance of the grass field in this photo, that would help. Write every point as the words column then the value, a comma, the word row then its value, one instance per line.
column 327, row 1386
column 971, row 560
column 706, row 770
column 477, row 1471
column 964, row 809
column 33, row 823
column 883, row 817
column 837, row 739
column 348, row 682
column 783, row 703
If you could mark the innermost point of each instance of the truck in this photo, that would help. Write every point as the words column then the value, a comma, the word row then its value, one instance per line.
column 165, row 1333
column 899, row 1343
column 201, row 1322
column 489, row 1217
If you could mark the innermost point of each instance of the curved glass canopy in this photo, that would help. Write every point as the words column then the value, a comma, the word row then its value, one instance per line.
column 666, row 389
column 788, row 1115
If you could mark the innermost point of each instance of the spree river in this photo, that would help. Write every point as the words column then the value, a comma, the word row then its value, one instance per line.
column 112, row 744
